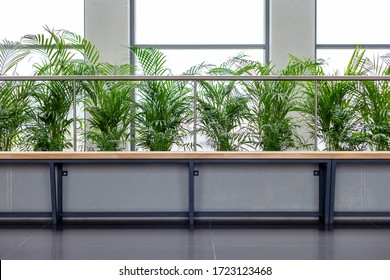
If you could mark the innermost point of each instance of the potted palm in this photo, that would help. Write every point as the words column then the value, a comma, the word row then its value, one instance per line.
column 338, row 127
column 373, row 104
column 49, row 128
column 222, row 108
column 13, row 96
column 110, row 107
column 163, row 107
column 273, row 118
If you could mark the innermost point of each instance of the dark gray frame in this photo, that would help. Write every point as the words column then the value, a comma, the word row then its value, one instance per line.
column 327, row 184
column 57, row 173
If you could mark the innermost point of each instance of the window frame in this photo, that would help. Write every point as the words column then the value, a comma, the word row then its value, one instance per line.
column 265, row 46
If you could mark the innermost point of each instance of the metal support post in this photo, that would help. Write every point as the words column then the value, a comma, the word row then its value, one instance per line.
column 316, row 115
column 195, row 113
column 325, row 183
column 74, row 117
column 332, row 188
column 322, row 182
column 59, row 192
column 53, row 193
column 191, row 194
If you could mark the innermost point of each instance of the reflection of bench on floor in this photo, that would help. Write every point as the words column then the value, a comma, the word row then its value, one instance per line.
column 250, row 184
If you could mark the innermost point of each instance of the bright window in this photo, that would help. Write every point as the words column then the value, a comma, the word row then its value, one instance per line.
column 344, row 24
column 200, row 22
column 353, row 22
column 191, row 32
column 182, row 60
column 338, row 59
column 21, row 17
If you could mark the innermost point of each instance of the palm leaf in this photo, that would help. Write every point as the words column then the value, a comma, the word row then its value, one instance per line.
column 11, row 53
column 111, row 108
column 164, row 112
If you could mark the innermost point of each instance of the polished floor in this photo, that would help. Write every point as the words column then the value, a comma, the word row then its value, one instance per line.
column 210, row 240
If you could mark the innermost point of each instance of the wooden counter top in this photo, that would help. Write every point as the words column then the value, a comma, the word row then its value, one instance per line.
column 191, row 155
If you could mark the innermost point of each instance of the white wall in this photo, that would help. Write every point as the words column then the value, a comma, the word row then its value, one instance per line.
column 292, row 30
column 107, row 26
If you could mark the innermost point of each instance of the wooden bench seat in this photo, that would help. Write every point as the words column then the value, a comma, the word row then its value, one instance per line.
column 192, row 155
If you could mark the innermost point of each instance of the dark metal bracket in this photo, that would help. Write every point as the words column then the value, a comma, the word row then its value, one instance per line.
column 316, row 173
column 64, row 173
column 196, row 172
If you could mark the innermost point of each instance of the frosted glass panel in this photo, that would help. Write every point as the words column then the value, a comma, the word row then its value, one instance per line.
column 337, row 60
column 180, row 61
column 21, row 17
column 200, row 22
column 353, row 22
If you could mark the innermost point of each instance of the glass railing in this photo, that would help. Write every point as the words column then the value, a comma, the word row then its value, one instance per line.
column 330, row 112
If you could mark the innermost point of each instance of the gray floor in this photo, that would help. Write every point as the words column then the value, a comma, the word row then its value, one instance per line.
column 210, row 241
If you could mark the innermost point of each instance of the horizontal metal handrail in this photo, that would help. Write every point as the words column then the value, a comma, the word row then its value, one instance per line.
column 195, row 78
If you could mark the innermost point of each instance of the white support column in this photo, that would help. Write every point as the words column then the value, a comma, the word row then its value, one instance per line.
column 292, row 24
column 107, row 26
column 292, row 31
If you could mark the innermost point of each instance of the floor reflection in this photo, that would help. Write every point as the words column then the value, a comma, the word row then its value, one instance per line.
column 210, row 240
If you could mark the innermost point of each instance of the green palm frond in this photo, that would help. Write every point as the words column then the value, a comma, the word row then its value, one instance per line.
column 164, row 107
column 338, row 124
column 223, row 108
column 373, row 104
column 11, row 53
column 273, row 107
column 13, row 113
column 111, row 108
column 52, row 101
column 151, row 61
column 88, row 51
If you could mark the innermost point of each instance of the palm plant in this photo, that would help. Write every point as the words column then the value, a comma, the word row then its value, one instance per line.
column 13, row 113
column 273, row 107
column 338, row 126
column 49, row 129
column 110, row 107
column 223, row 108
column 164, row 107
column 11, row 53
column 373, row 104
column 13, row 96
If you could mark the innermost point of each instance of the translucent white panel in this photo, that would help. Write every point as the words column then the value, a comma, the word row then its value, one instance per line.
column 337, row 60
column 21, row 17
column 353, row 21
column 25, row 67
column 200, row 22
column 180, row 61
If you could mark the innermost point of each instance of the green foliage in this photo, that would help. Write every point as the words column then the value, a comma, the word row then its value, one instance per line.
column 263, row 115
column 13, row 97
column 338, row 126
column 274, row 106
column 164, row 107
column 11, row 53
column 373, row 104
column 49, row 129
column 222, row 108
column 111, row 108
column 13, row 113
